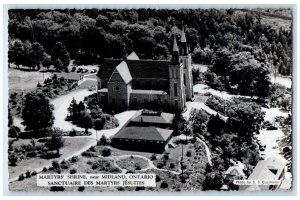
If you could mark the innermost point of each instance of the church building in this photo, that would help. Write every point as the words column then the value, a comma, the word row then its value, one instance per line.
column 136, row 83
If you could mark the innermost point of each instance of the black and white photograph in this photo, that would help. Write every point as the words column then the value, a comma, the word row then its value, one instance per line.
column 150, row 99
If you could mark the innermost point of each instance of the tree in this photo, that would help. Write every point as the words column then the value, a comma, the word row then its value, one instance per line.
column 73, row 110
column 14, row 132
column 86, row 121
column 60, row 52
column 215, row 125
column 58, row 64
column 56, row 141
column 98, row 125
column 36, row 55
column 37, row 112
column 10, row 118
column 47, row 60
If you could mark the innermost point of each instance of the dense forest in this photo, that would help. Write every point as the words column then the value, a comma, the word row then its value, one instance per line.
column 56, row 36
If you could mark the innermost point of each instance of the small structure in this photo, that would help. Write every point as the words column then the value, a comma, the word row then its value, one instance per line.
column 266, row 170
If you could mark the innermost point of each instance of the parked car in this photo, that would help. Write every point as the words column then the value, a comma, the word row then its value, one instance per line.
column 272, row 128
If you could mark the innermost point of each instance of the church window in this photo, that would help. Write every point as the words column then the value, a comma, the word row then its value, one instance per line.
column 117, row 88
column 184, row 79
column 145, row 101
column 134, row 100
column 176, row 103
column 113, row 100
column 175, row 89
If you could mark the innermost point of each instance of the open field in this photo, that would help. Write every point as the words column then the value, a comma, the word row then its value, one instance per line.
column 26, row 80
column 71, row 146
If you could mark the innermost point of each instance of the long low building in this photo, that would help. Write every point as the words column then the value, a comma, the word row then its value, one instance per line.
column 148, row 131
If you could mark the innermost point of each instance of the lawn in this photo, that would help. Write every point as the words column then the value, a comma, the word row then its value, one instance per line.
column 132, row 163
column 71, row 146
column 26, row 80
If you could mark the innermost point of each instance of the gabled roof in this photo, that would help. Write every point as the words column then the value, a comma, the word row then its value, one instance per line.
column 144, row 133
column 145, row 69
column 123, row 70
column 133, row 56
column 269, row 169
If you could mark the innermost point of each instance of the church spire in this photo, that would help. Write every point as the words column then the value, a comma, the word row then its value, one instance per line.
column 183, row 43
column 175, row 53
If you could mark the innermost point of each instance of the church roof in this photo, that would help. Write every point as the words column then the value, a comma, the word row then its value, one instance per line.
column 147, row 69
column 133, row 56
column 144, row 133
column 123, row 70
column 175, row 47
column 183, row 38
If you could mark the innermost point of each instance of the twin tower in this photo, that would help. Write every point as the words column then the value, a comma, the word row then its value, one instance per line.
column 180, row 73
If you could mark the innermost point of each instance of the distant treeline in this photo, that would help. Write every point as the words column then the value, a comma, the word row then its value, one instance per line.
column 88, row 35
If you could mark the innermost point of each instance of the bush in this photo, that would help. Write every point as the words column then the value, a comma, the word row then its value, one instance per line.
column 166, row 155
column 94, row 166
column 137, row 167
column 74, row 159
column 81, row 188
column 33, row 173
column 106, row 152
column 21, row 177
column 14, row 132
column 72, row 133
column 189, row 153
column 28, row 174
column 31, row 154
column 157, row 178
column 172, row 165
column 153, row 157
column 45, row 169
column 92, row 149
column 55, row 164
column 164, row 184
column 88, row 154
column 13, row 159
column 73, row 171
column 49, row 155
column 73, row 69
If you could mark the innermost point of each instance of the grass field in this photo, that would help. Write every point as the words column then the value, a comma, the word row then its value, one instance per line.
column 26, row 80
column 71, row 146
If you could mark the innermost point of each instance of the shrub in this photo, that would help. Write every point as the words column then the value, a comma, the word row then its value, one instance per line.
column 157, row 178
column 153, row 157
column 45, row 169
column 106, row 152
column 55, row 164
column 14, row 132
column 73, row 171
column 13, row 159
column 28, row 174
column 57, row 189
column 33, row 173
column 89, row 162
column 164, row 184
column 21, row 177
column 74, row 159
column 81, row 188
column 172, row 165
column 166, row 155
column 94, row 166
column 49, row 155
column 189, row 153
column 31, row 154
column 88, row 154
column 72, row 132
column 58, row 170
column 92, row 149
column 137, row 167
column 73, row 69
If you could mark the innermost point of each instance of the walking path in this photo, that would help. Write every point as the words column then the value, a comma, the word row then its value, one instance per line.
column 150, row 163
